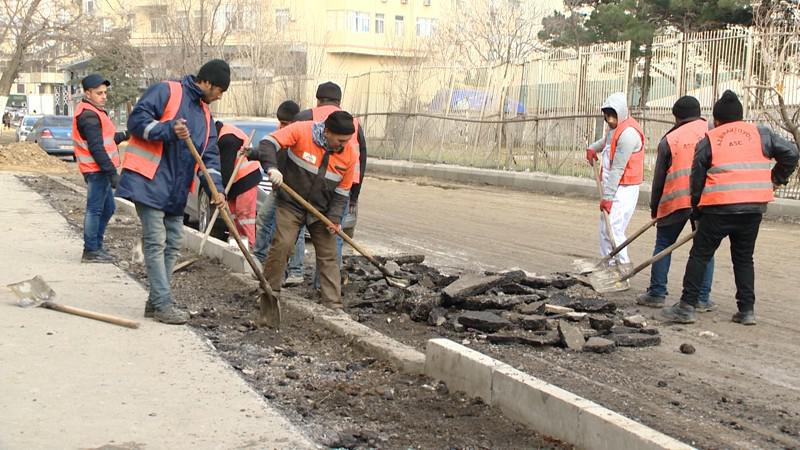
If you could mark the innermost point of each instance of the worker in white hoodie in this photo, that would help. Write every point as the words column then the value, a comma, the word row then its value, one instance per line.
column 622, row 171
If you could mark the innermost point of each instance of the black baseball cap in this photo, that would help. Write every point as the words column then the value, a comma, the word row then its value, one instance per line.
column 94, row 80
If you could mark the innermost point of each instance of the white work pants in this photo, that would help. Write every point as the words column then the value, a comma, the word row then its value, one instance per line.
column 621, row 213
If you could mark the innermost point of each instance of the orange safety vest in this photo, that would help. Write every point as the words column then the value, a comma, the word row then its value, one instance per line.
column 249, row 166
column 143, row 156
column 739, row 172
column 86, row 162
column 682, row 142
column 634, row 170
column 320, row 113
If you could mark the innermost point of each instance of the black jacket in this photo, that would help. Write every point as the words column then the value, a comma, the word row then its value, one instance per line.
column 773, row 146
column 306, row 114
column 228, row 148
column 90, row 130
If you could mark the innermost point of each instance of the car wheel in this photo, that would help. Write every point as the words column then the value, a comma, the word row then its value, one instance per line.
column 204, row 212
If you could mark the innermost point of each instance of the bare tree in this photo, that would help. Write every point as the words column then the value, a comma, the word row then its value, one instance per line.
column 37, row 33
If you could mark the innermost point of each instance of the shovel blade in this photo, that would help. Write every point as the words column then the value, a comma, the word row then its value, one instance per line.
column 270, row 311
column 32, row 292
column 584, row 266
column 610, row 279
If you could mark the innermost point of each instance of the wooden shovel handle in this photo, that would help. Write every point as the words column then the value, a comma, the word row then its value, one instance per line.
column 657, row 257
column 91, row 314
column 627, row 242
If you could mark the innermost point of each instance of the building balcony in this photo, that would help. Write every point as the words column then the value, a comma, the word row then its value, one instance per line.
column 373, row 44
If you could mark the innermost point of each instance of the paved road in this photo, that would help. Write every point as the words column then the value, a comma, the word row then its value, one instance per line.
column 70, row 382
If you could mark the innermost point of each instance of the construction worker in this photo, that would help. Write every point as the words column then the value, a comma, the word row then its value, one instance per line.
column 670, row 202
column 94, row 141
column 243, row 195
column 320, row 166
column 158, row 171
column 731, row 183
column 329, row 98
column 622, row 170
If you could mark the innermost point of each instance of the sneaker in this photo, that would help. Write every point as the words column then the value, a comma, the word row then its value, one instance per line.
column 171, row 315
column 745, row 318
column 149, row 309
column 98, row 256
column 651, row 301
column 704, row 307
column 293, row 280
column 679, row 313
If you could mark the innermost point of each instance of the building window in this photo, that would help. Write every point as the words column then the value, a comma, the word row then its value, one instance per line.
column 426, row 2
column 379, row 23
column 399, row 27
column 359, row 22
column 424, row 27
column 281, row 19
column 157, row 25
column 88, row 6
column 20, row 88
column 42, row 89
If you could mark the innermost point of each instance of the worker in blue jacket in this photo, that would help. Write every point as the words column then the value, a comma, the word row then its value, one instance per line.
column 158, row 171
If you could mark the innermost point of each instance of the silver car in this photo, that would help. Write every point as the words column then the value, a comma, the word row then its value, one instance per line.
column 26, row 125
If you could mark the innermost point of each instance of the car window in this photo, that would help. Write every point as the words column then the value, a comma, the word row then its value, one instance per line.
column 262, row 130
column 29, row 121
column 58, row 121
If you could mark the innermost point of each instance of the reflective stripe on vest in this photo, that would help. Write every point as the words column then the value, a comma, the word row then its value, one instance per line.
column 739, row 172
column 84, row 158
column 143, row 156
column 682, row 142
column 634, row 170
column 249, row 166
column 320, row 113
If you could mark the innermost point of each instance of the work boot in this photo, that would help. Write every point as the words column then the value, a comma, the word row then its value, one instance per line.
column 651, row 301
column 293, row 280
column 745, row 318
column 704, row 307
column 171, row 315
column 679, row 313
column 149, row 309
column 97, row 256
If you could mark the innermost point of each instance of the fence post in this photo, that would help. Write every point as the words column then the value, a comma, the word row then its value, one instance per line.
column 681, row 78
column 483, row 111
column 447, row 114
column 748, row 70
column 414, row 126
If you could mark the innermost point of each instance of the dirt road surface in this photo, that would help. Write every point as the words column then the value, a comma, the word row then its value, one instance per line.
column 740, row 390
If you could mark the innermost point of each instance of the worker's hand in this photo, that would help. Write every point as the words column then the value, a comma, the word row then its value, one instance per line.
column 244, row 152
column 275, row 177
column 113, row 177
column 218, row 200
column 591, row 156
column 335, row 229
column 181, row 130
column 653, row 214
column 605, row 205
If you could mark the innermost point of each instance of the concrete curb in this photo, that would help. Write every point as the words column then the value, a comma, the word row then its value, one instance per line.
column 537, row 404
column 531, row 182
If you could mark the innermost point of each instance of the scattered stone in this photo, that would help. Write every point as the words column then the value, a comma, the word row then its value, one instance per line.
column 388, row 394
column 540, row 338
column 599, row 345
column 661, row 384
column 469, row 285
column 392, row 267
column 576, row 316
column 408, row 259
column 437, row 317
column 454, row 325
column 519, row 289
column 556, row 280
column 637, row 321
column 650, row 330
column 420, row 307
column 530, row 308
column 292, row 375
column 594, row 305
column 483, row 321
column 560, row 299
column 483, row 302
column 708, row 334
column 636, row 340
column 532, row 322
column 554, row 309
column 601, row 323
column 687, row 349
column 588, row 334
column 571, row 336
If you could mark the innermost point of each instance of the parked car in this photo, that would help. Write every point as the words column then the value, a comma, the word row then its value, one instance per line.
column 25, row 126
column 198, row 207
column 53, row 134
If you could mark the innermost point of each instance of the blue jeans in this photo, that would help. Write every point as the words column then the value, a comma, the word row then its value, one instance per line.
column 161, row 242
column 99, row 209
column 265, row 229
column 666, row 236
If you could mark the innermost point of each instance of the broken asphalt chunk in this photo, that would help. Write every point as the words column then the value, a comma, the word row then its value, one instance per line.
column 571, row 336
column 483, row 321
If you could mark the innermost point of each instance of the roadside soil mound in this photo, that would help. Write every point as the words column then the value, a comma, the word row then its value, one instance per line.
column 29, row 157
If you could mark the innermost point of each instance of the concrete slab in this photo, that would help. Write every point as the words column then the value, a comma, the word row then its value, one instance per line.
column 461, row 368
column 71, row 382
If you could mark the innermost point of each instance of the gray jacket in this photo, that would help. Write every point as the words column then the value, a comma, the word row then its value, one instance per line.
column 629, row 143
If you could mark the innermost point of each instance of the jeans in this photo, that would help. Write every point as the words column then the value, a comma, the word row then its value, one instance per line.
column 161, row 242
column 99, row 209
column 742, row 230
column 666, row 236
column 265, row 229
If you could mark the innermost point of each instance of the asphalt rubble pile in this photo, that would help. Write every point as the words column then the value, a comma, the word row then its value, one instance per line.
column 512, row 307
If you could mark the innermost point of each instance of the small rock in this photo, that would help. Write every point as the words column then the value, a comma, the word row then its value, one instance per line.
column 601, row 323
column 454, row 325
column 470, row 285
column 599, row 345
column 532, row 322
column 530, row 308
column 483, row 321
column 687, row 349
column 571, row 336
column 388, row 394
column 292, row 375
column 650, row 330
column 540, row 338
column 661, row 384
column 637, row 321
column 484, row 302
column 409, row 259
column 437, row 317
column 248, row 372
column 392, row 267
column 636, row 340
column 588, row 334
column 708, row 334
column 576, row 316
column 555, row 309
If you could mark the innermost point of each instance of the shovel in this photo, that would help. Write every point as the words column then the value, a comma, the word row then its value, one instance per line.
column 36, row 292
column 583, row 266
column 616, row 279
column 391, row 280
column 270, row 308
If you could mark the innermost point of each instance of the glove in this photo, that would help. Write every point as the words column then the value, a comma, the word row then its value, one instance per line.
column 275, row 177
column 605, row 205
column 114, row 178
column 591, row 156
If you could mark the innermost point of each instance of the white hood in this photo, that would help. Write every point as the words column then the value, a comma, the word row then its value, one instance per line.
column 618, row 103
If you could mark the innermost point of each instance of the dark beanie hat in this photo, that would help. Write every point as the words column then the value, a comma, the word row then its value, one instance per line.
column 217, row 72
column 340, row 122
column 686, row 107
column 287, row 110
column 329, row 90
column 728, row 108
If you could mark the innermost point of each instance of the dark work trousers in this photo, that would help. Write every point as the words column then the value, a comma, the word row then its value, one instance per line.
column 742, row 230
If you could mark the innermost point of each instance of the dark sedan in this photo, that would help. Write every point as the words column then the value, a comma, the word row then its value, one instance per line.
column 53, row 134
